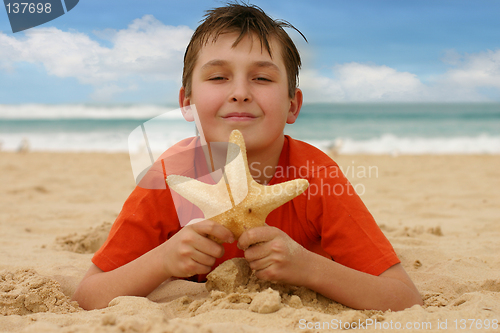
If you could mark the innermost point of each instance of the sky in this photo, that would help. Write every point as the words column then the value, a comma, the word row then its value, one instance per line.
column 130, row 51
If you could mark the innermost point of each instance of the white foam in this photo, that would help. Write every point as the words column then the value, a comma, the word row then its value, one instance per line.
column 386, row 144
column 391, row 144
column 66, row 142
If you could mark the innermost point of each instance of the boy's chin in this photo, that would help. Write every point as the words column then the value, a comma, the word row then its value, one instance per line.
column 222, row 134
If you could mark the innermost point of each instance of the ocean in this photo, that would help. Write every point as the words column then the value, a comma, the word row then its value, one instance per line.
column 395, row 128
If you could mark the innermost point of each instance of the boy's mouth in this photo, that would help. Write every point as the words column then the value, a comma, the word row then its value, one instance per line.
column 239, row 116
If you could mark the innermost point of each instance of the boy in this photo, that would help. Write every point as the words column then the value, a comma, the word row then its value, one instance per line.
column 241, row 69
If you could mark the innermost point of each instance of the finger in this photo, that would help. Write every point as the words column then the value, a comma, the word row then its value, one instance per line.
column 267, row 274
column 207, row 246
column 257, row 251
column 267, row 271
column 192, row 267
column 260, row 264
column 211, row 228
column 256, row 235
column 203, row 259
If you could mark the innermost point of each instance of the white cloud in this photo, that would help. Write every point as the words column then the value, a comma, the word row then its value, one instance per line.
column 106, row 92
column 147, row 49
column 355, row 82
column 362, row 82
column 476, row 70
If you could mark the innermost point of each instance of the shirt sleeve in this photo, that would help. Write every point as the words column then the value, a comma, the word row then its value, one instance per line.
column 348, row 232
column 146, row 220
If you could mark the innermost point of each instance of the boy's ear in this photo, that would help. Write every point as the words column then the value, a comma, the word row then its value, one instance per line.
column 185, row 104
column 295, row 105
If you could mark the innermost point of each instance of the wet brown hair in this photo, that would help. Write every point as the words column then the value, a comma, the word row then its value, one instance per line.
column 245, row 19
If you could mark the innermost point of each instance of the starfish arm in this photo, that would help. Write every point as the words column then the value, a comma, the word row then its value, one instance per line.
column 271, row 197
column 211, row 199
column 236, row 171
column 237, row 179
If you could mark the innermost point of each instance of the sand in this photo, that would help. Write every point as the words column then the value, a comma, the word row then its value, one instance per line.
column 441, row 213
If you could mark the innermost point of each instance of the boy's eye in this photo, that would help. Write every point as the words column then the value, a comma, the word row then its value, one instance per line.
column 263, row 79
column 217, row 78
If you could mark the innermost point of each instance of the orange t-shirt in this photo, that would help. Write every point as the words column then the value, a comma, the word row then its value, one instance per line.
column 329, row 218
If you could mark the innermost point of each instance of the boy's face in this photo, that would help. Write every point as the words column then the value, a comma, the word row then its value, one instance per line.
column 242, row 88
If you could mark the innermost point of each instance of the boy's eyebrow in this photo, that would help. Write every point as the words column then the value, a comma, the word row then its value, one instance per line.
column 267, row 64
column 220, row 62
column 214, row 63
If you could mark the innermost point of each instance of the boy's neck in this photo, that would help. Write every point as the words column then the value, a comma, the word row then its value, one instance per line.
column 263, row 163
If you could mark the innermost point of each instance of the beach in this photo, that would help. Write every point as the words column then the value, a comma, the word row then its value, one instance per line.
column 440, row 212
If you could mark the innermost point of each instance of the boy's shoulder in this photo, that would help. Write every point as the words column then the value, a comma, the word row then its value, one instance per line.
column 300, row 154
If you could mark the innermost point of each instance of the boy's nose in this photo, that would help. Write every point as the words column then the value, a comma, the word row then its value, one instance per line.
column 240, row 93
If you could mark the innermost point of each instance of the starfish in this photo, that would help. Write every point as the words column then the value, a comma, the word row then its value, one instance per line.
column 237, row 201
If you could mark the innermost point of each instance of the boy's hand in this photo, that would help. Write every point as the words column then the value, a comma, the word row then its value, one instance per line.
column 274, row 255
column 191, row 252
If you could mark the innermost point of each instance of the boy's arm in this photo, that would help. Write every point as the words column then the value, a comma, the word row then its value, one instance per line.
column 187, row 253
column 279, row 258
column 393, row 289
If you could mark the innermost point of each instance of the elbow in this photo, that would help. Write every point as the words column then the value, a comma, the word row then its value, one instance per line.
column 81, row 300
column 406, row 302
column 420, row 300
column 86, row 305
column 414, row 298
column 417, row 300
column 85, row 300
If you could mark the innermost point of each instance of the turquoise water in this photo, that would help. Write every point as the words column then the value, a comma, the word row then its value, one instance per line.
column 365, row 121
column 354, row 128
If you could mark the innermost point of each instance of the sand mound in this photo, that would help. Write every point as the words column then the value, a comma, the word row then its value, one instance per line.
column 232, row 285
column 88, row 242
column 25, row 292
